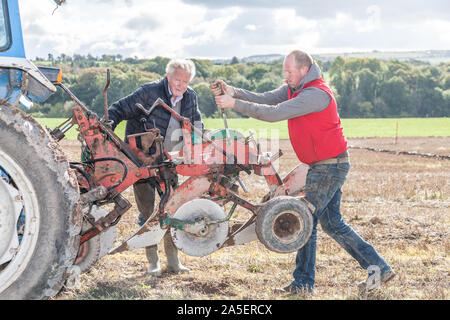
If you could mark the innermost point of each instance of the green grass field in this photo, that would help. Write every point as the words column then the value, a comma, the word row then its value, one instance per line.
column 353, row 128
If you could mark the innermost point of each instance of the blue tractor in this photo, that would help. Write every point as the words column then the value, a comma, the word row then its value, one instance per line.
column 52, row 224
column 39, row 220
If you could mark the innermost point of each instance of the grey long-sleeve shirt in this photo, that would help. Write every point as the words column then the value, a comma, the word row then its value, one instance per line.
column 274, row 105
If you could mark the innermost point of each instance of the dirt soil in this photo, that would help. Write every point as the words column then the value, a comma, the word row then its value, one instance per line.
column 398, row 203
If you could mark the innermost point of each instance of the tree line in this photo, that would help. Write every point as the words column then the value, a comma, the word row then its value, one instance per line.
column 363, row 87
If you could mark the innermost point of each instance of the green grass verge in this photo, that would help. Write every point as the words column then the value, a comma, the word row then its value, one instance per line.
column 353, row 128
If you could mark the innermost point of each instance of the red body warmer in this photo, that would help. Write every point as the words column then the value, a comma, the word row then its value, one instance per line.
column 319, row 135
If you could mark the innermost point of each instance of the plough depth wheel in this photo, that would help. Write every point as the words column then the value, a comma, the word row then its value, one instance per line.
column 284, row 224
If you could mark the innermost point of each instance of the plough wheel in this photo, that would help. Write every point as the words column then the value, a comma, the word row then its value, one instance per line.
column 284, row 224
column 92, row 250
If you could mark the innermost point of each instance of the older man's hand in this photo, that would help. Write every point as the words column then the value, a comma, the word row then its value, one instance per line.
column 225, row 101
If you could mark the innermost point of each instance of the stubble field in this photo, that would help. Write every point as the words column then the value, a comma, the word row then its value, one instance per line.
column 398, row 203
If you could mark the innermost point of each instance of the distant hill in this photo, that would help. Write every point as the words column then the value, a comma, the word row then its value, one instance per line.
column 265, row 58
column 427, row 56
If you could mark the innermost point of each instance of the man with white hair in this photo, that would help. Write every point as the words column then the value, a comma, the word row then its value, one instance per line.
column 174, row 91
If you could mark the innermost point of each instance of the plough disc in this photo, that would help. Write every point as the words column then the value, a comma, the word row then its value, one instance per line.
column 213, row 235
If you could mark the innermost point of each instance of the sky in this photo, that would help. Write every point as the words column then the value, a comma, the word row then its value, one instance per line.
column 213, row 29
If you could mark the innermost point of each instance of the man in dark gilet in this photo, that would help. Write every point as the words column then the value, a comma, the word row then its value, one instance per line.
column 174, row 90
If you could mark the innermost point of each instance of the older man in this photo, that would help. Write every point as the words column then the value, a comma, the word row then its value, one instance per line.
column 317, row 138
column 174, row 90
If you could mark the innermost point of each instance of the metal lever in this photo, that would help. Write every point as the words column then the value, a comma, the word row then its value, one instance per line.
column 242, row 184
column 105, row 97
column 224, row 117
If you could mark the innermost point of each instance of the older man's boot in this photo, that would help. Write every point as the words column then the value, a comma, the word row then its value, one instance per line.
column 173, row 263
column 154, row 267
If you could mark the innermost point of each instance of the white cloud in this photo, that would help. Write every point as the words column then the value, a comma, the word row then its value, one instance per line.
column 251, row 27
column 99, row 27
column 304, row 33
column 200, row 28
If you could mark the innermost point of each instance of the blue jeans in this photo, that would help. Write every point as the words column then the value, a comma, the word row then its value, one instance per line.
column 323, row 190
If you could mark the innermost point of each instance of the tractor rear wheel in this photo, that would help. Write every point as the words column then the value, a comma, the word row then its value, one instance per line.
column 40, row 219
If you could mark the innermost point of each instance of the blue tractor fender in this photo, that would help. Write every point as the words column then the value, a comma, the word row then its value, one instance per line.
column 21, row 82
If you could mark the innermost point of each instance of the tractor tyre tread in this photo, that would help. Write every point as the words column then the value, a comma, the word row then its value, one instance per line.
column 46, row 166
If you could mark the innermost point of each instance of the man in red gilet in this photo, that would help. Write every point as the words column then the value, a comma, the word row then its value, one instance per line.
column 316, row 134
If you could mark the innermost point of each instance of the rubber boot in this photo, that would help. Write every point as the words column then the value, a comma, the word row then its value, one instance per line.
column 144, row 194
column 154, row 267
column 173, row 264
